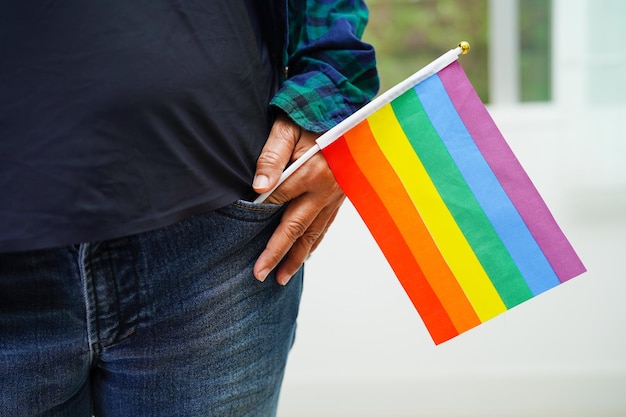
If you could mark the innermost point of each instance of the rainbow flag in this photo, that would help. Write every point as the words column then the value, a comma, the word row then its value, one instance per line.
column 453, row 211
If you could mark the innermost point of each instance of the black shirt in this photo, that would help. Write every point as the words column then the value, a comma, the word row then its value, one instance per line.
column 121, row 117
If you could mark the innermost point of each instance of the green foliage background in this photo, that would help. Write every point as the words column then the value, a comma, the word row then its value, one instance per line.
column 535, row 50
column 408, row 34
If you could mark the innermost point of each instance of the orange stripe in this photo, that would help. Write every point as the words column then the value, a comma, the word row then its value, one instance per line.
column 402, row 211
column 390, row 240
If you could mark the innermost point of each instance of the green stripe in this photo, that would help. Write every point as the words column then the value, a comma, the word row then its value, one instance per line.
column 470, row 217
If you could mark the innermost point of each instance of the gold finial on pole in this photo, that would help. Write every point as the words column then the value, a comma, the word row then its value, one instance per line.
column 465, row 47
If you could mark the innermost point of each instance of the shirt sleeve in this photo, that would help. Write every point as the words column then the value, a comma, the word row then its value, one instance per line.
column 330, row 71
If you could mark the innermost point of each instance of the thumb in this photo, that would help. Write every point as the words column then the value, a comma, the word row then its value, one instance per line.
column 276, row 153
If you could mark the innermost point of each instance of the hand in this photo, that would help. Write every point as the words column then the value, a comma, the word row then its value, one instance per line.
column 313, row 195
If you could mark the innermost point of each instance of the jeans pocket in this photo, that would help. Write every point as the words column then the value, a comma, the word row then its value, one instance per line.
column 250, row 212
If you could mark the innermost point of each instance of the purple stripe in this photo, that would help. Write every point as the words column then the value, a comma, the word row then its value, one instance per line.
column 512, row 176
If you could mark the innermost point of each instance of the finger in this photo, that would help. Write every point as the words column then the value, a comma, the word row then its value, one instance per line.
column 276, row 154
column 299, row 251
column 304, row 246
column 295, row 221
column 290, row 246
column 328, row 223
column 296, row 184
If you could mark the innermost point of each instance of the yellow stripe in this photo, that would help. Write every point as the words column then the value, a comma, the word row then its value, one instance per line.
column 449, row 238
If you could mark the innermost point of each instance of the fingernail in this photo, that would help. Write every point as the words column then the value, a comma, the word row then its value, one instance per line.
column 261, row 181
column 284, row 279
column 261, row 275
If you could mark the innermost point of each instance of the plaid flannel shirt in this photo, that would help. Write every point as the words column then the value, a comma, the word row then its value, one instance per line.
column 328, row 72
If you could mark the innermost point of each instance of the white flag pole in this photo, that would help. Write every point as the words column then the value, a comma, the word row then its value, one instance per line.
column 370, row 108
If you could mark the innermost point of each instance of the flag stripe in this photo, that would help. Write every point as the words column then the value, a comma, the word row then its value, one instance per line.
column 460, row 201
column 512, row 176
column 376, row 169
column 500, row 211
column 449, row 239
column 390, row 240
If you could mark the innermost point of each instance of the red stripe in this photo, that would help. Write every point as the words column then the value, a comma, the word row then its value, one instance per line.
column 390, row 240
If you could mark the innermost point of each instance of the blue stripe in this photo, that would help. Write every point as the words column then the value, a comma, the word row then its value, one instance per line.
column 497, row 205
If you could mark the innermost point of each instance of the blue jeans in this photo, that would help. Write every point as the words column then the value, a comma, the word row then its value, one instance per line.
column 165, row 323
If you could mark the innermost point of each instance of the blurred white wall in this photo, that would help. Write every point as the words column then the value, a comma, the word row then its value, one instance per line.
column 361, row 348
